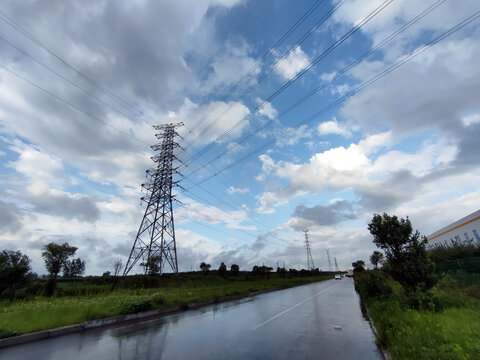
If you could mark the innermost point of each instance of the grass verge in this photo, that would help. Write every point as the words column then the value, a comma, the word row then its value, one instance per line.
column 43, row 313
column 442, row 323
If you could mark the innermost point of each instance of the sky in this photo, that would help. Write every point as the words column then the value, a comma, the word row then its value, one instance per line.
column 297, row 115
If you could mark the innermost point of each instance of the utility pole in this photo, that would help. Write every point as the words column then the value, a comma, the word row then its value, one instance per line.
column 329, row 262
column 310, row 264
column 155, row 242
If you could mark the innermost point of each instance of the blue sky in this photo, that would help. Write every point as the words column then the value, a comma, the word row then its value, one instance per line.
column 82, row 82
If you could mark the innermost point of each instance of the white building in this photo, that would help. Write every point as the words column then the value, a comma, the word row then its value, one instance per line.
column 465, row 231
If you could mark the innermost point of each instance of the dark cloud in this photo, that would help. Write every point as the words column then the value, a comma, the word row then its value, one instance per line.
column 10, row 217
column 326, row 215
column 400, row 187
column 82, row 208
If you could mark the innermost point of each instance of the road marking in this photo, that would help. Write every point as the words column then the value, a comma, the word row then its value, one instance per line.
column 292, row 307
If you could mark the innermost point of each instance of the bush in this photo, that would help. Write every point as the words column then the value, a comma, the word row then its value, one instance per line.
column 423, row 300
column 137, row 307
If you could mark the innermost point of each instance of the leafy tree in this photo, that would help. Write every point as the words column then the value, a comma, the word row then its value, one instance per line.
column 14, row 268
column 222, row 270
column 375, row 258
column 259, row 270
column 205, row 267
column 405, row 250
column 358, row 265
column 117, row 267
column 234, row 269
column 152, row 266
column 73, row 268
column 55, row 257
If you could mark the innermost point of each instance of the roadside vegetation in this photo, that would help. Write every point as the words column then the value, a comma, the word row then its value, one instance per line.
column 34, row 307
column 424, row 304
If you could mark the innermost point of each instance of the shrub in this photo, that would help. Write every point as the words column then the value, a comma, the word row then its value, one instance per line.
column 137, row 307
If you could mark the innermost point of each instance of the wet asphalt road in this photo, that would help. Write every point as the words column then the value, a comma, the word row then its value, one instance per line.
column 317, row 321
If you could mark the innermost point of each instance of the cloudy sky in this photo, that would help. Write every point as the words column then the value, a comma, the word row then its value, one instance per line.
column 298, row 115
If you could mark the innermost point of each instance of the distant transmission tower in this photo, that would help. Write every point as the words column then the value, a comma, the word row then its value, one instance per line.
column 310, row 264
column 329, row 262
column 336, row 265
column 155, row 242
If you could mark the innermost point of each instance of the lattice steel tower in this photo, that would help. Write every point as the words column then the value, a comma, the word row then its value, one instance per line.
column 155, row 242
column 329, row 262
column 310, row 264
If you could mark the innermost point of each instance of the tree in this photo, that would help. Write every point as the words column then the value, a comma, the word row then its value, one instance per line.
column 73, row 268
column 152, row 266
column 205, row 267
column 375, row 258
column 358, row 266
column 234, row 269
column 117, row 266
column 14, row 268
column 55, row 257
column 408, row 260
column 222, row 270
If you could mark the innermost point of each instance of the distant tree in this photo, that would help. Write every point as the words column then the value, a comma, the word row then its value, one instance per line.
column 106, row 274
column 152, row 266
column 358, row 265
column 234, row 269
column 205, row 267
column 407, row 258
column 259, row 270
column 117, row 267
column 222, row 270
column 281, row 271
column 14, row 268
column 73, row 268
column 55, row 257
column 375, row 258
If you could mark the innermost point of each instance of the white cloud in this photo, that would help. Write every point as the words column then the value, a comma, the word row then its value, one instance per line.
column 38, row 166
column 266, row 109
column 233, row 190
column 294, row 136
column 333, row 127
column 230, row 66
column 268, row 201
column 212, row 215
column 267, row 166
column 291, row 65
column 471, row 119
column 216, row 124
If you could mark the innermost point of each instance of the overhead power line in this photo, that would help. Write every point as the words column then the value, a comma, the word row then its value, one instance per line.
column 8, row 20
column 70, row 104
column 326, row 83
column 364, row 85
column 288, row 83
column 259, row 62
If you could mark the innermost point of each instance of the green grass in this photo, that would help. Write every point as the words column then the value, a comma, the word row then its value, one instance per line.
column 447, row 330
column 41, row 313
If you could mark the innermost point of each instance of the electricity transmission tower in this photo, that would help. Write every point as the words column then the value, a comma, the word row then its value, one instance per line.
column 155, row 243
column 329, row 262
column 310, row 264
column 336, row 265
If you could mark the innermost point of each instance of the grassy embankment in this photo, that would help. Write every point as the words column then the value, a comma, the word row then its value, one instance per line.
column 93, row 298
column 441, row 323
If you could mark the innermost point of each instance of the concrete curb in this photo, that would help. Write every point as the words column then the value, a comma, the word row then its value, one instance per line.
column 98, row 323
